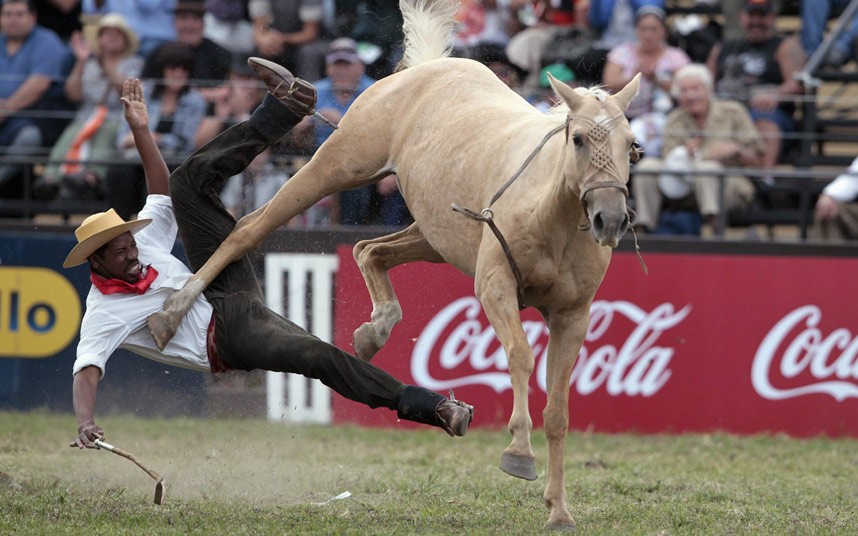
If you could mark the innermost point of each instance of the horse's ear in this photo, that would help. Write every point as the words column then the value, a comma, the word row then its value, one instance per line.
column 625, row 95
column 572, row 99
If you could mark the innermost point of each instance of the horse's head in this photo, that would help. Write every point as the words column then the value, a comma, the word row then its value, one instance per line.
column 599, row 148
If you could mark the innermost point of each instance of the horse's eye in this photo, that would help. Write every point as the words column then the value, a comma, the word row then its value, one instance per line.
column 577, row 141
column 635, row 152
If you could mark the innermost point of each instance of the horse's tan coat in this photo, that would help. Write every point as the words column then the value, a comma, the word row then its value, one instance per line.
column 453, row 133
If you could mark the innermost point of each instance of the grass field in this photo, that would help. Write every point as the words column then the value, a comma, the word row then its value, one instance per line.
column 251, row 477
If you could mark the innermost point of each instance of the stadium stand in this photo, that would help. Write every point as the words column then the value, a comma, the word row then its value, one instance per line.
column 823, row 147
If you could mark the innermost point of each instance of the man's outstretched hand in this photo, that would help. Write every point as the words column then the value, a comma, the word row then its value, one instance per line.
column 134, row 104
column 87, row 435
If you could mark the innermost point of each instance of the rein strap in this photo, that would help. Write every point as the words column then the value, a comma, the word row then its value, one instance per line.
column 487, row 216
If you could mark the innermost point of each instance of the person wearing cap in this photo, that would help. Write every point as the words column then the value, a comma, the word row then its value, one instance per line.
column 31, row 61
column 546, row 99
column 151, row 20
column 656, row 61
column 345, row 81
column 95, row 84
column 759, row 71
column 702, row 134
column 229, row 327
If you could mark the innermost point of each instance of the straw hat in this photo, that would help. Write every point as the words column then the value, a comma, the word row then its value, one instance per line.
column 97, row 230
column 118, row 22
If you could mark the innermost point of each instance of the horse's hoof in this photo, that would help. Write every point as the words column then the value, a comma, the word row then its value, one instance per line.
column 162, row 329
column 563, row 525
column 365, row 345
column 518, row 466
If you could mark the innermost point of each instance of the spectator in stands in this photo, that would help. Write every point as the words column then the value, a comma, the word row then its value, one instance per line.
column 482, row 22
column 651, row 56
column 546, row 98
column 61, row 16
column 345, row 81
column 212, row 62
column 227, row 23
column 377, row 26
column 814, row 20
column 702, row 134
column 494, row 57
column 535, row 24
column 836, row 215
column 759, row 71
column 731, row 10
column 31, row 62
column 175, row 112
column 244, row 94
column 151, row 20
column 254, row 186
column 95, row 83
column 614, row 23
column 289, row 32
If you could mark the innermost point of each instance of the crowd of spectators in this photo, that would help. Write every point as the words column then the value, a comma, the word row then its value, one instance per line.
column 62, row 62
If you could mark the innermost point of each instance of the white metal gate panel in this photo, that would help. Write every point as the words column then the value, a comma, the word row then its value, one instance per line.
column 291, row 397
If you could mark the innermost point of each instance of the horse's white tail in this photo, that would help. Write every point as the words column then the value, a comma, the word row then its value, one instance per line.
column 427, row 26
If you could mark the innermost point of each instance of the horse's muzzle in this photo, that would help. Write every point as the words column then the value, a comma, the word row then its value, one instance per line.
column 608, row 226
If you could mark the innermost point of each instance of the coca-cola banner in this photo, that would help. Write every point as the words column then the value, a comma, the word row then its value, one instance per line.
column 739, row 343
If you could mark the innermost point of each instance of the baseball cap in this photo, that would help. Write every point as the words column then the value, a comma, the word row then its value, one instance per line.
column 650, row 10
column 559, row 71
column 190, row 6
column 758, row 6
column 342, row 49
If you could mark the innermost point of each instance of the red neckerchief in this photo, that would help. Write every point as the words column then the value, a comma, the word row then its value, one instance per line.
column 118, row 286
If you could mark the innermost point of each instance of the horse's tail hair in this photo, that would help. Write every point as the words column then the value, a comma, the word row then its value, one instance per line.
column 427, row 26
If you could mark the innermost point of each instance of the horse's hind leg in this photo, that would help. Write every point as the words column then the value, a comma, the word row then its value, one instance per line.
column 375, row 258
column 329, row 171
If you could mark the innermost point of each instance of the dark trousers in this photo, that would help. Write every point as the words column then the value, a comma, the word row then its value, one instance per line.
column 249, row 335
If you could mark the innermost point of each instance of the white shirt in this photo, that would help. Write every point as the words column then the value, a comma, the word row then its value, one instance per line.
column 119, row 320
column 845, row 187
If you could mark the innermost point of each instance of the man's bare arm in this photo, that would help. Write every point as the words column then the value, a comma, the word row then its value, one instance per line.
column 83, row 394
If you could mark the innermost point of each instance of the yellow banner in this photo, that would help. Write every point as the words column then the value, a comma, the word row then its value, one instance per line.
column 40, row 312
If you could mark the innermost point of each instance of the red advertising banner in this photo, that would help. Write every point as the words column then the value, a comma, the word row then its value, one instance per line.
column 736, row 343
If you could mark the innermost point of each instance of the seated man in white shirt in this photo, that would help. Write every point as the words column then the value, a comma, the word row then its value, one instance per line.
column 836, row 214
column 229, row 327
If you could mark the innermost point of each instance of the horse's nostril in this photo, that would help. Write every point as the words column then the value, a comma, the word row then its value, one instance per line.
column 598, row 223
column 626, row 222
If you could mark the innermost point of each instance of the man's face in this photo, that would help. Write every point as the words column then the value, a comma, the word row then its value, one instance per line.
column 189, row 28
column 111, row 40
column 693, row 95
column 345, row 74
column 16, row 21
column 758, row 25
column 118, row 259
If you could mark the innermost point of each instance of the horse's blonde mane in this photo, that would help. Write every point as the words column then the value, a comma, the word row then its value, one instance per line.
column 427, row 26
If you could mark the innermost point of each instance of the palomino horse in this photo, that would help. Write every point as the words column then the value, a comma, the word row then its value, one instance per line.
column 454, row 134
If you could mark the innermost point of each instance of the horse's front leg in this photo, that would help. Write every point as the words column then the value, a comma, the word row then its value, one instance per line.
column 567, row 331
column 375, row 258
column 496, row 289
